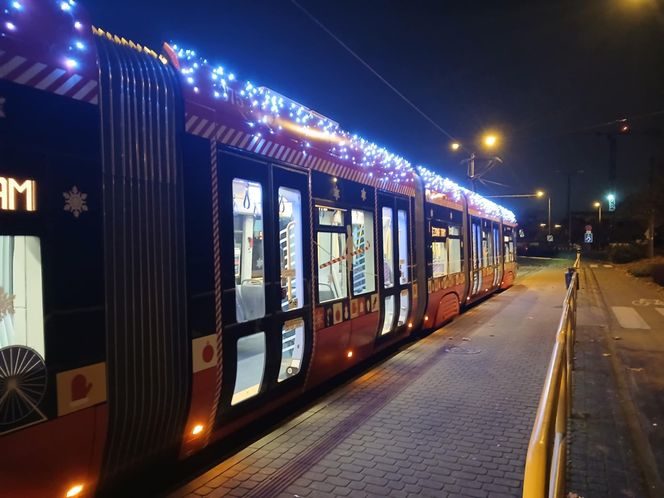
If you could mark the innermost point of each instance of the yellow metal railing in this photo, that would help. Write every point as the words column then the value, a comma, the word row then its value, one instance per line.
column 544, row 475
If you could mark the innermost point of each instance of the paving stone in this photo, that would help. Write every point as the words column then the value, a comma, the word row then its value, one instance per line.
column 423, row 422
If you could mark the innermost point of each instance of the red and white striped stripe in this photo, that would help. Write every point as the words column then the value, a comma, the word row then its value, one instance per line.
column 257, row 144
column 19, row 69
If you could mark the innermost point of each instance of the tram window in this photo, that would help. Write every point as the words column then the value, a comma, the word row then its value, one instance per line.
column 454, row 249
column 292, row 349
column 364, row 271
column 509, row 248
column 290, row 249
column 329, row 216
column 476, row 234
column 331, row 266
column 439, row 252
column 21, row 301
column 250, row 367
column 402, row 218
column 404, row 307
column 486, row 251
column 388, row 249
column 389, row 315
column 496, row 246
column 248, row 231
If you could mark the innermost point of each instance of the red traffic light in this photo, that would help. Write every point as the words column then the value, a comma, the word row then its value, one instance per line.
column 624, row 128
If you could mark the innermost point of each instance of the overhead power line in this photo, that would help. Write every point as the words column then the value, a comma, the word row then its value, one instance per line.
column 375, row 73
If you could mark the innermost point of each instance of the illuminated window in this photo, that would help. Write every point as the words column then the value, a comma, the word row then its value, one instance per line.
column 509, row 248
column 290, row 249
column 486, row 251
column 364, row 271
column 389, row 315
column 402, row 218
column 331, row 266
column 330, row 216
column 404, row 307
column 250, row 367
column 292, row 349
column 388, row 249
column 21, row 304
column 249, row 255
column 454, row 249
column 439, row 253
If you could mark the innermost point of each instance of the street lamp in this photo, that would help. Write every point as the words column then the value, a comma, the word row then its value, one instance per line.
column 489, row 141
column 598, row 205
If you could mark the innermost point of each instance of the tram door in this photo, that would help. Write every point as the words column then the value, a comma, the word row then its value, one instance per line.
column 266, row 276
column 395, row 268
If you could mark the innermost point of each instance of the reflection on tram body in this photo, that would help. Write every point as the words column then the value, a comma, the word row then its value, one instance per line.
column 248, row 236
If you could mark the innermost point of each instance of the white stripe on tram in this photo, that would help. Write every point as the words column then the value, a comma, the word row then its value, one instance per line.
column 30, row 73
column 13, row 63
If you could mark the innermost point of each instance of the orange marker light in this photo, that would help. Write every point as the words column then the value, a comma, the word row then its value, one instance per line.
column 426, row 318
column 349, row 354
column 410, row 325
column 197, row 429
column 74, row 491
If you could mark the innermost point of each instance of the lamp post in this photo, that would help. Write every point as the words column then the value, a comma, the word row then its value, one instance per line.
column 598, row 205
column 489, row 141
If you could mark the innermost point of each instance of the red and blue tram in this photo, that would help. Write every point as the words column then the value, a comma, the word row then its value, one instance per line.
column 182, row 252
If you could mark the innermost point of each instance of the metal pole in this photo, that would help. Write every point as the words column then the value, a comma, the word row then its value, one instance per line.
column 549, row 215
column 600, row 214
column 471, row 170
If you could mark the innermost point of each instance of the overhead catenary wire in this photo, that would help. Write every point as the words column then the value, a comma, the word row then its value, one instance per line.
column 373, row 71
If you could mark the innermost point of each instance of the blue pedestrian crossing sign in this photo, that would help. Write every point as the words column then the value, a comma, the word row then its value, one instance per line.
column 588, row 237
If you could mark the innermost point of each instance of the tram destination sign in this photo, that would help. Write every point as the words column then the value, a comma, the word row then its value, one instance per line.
column 17, row 195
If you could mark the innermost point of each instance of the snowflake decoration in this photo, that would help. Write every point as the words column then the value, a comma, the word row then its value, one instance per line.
column 6, row 303
column 75, row 201
column 336, row 193
column 363, row 195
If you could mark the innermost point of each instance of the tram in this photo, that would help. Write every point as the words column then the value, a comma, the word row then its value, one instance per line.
column 182, row 252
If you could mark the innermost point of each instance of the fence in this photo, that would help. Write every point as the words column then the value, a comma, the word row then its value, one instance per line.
column 544, row 473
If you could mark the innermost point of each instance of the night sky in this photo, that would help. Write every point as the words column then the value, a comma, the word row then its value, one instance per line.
column 542, row 74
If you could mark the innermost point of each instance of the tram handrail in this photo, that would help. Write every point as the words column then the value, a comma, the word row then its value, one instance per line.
column 544, row 474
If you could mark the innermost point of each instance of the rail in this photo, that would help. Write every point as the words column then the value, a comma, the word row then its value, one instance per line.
column 544, row 474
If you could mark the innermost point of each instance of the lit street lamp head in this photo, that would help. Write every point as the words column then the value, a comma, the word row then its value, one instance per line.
column 597, row 204
column 455, row 146
column 539, row 193
column 490, row 140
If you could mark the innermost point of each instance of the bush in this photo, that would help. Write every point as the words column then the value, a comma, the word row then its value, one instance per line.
column 658, row 274
column 625, row 253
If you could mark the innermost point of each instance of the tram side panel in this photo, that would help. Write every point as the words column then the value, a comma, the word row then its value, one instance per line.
column 51, row 274
column 446, row 265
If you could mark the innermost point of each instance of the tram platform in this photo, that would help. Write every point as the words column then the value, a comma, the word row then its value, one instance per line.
column 448, row 415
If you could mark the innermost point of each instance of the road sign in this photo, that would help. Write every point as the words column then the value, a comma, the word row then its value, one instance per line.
column 549, row 238
column 588, row 238
column 589, row 228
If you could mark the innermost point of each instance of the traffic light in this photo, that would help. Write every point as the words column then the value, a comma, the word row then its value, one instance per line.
column 612, row 202
column 624, row 128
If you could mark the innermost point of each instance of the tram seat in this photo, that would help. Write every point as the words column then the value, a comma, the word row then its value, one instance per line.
column 250, row 300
